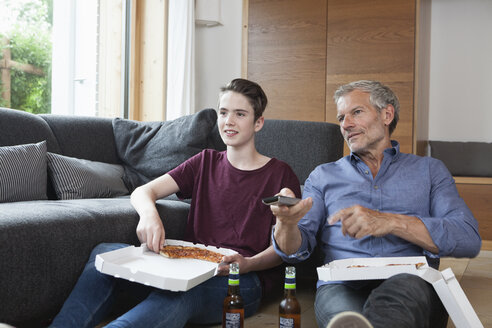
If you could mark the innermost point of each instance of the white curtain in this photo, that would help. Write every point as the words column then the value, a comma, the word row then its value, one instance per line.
column 181, row 59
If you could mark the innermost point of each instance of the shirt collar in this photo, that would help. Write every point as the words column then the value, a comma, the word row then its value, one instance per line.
column 393, row 152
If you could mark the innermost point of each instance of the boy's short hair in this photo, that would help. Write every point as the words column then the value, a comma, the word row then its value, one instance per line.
column 252, row 91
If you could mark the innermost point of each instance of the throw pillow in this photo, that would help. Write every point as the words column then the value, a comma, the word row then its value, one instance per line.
column 75, row 178
column 23, row 172
column 151, row 149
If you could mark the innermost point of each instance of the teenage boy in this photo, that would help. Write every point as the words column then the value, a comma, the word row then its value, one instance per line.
column 226, row 189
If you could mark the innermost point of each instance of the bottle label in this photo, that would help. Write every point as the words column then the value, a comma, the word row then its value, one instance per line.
column 233, row 280
column 232, row 320
column 290, row 282
column 286, row 322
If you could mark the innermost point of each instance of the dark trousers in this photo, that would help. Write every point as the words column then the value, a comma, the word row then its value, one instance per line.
column 402, row 301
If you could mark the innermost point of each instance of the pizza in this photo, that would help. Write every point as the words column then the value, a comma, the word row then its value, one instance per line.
column 190, row 252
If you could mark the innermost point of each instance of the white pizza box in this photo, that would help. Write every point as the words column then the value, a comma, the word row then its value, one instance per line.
column 444, row 282
column 452, row 297
column 141, row 265
column 370, row 268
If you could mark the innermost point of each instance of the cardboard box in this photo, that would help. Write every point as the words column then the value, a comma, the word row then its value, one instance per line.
column 140, row 265
column 445, row 283
column 370, row 268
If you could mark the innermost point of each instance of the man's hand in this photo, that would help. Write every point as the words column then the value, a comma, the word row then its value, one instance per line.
column 151, row 231
column 290, row 215
column 287, row 234
column 358, row 221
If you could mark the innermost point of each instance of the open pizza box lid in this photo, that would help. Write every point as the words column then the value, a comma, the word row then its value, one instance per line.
column 140, row 265
column 444, row 282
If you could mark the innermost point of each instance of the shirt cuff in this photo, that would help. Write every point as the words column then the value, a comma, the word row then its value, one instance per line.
column 301, row 254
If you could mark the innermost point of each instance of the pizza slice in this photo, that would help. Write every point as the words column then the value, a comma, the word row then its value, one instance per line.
column 190, row 252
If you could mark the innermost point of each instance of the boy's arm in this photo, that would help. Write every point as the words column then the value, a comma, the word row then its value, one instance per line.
column 264, row 260
column 150, row 229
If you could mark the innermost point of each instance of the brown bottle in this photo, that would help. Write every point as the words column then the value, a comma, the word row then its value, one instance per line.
column 233, row 309
column 289, row 310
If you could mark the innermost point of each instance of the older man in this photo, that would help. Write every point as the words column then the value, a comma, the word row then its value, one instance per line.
column 376, row 202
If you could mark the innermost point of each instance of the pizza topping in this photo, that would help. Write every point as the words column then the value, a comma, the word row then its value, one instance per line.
column 190, row 252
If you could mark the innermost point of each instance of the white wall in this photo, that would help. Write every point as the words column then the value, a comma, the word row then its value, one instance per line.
column 460, row 106
column 218, row 54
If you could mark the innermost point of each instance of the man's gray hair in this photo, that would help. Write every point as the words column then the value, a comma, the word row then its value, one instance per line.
column 380, row 97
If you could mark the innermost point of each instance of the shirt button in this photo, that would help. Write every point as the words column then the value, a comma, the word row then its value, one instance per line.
column 376, row 187
column 366, row 172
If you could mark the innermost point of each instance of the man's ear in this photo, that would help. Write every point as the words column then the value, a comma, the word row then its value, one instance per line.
column 388, row 114
column 259, row 123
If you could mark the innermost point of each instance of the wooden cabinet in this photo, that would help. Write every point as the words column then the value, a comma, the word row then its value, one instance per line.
column 477, row 194
column 301, row 51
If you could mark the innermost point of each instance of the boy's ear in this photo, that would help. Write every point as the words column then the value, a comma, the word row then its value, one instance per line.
column 259, row 123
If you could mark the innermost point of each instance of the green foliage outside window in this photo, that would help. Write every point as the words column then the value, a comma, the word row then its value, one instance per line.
column 30, row 43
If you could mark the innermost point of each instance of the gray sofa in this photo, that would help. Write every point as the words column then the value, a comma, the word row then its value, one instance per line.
column 44, row 243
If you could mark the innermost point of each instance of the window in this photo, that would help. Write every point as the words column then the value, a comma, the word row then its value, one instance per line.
column 64, row 56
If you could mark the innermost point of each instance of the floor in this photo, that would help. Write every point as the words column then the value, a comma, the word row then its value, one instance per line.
column 474, row 275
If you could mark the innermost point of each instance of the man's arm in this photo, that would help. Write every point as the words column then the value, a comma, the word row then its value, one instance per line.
column 150, row 229
column 287, row 234
column 358, row 221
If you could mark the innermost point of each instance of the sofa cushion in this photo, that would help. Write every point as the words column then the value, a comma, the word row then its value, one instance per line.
column 151, row 149
column 45, row 246
column 75, row 178
column 23, row 172
column 464, row 158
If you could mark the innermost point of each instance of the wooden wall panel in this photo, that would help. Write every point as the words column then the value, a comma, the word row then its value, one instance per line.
column 287, row 56
column 478, row 198
column 373, row 40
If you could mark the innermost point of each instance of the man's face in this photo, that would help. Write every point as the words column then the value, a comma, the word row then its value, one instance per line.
column 362, row 126
column 236, row 120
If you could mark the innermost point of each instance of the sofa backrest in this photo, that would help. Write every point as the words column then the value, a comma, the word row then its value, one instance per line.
column 301, row 144
column 18, row 127
column 84, row 137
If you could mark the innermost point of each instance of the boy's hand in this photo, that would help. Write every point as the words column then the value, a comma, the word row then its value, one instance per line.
column 151, row 232
column 239, row 259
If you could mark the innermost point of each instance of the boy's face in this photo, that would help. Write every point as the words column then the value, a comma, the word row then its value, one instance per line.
column 236, row 120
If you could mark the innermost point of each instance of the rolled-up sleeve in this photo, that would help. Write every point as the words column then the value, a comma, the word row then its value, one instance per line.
column 452, row 226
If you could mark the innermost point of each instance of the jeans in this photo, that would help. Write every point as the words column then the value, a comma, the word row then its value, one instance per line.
column 403, row 300
column 91, row 300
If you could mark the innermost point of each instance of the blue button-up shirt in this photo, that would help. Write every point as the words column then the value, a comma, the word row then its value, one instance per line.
column 405, row 184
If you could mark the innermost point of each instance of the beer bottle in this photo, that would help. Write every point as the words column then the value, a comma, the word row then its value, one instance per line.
column 289, row 310
column 233, row 309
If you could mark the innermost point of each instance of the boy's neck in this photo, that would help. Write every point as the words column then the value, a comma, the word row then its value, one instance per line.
column 246, row 158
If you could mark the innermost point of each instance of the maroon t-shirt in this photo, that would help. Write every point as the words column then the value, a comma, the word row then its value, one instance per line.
column 226, row 208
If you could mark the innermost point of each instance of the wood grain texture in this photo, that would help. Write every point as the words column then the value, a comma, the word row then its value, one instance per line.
column 373, row 40
column 478, row 197
column 287, row 56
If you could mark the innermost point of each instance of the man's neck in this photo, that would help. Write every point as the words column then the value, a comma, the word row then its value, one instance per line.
column 374, row 158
